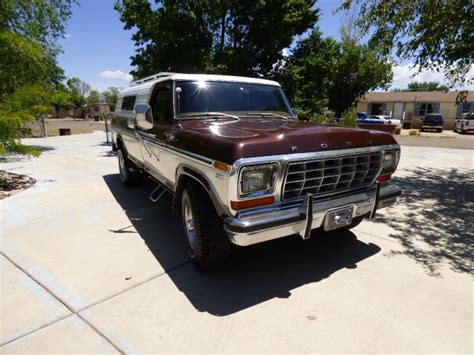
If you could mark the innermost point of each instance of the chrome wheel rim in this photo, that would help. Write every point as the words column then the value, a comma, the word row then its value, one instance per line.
column 189, row 224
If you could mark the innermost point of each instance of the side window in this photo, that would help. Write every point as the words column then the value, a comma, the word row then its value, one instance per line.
column 161, row 104
column 128, row 103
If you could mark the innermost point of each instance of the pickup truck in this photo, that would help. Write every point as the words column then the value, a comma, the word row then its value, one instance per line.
column 465, row 123
column 241, row 167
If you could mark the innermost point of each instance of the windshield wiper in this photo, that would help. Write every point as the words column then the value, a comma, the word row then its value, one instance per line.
column 208, row 114
column 268, row 114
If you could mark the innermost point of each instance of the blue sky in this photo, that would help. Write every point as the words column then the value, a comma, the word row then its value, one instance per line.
column 97, row 49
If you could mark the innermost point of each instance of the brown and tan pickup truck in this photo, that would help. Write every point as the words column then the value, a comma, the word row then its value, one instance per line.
column 241, row 167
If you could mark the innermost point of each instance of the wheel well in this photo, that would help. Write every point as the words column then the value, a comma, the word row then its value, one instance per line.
column 120, row 144
column 182, row 182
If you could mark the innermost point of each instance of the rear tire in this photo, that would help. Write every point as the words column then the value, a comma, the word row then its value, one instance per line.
column 129, row 174
column 207, row 243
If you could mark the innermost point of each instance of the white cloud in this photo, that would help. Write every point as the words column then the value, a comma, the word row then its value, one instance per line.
column 286, row 52
column 117, row 74
column 67, row 35
column 403, row 74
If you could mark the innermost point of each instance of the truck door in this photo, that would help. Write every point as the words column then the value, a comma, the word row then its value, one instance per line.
column 154, row 141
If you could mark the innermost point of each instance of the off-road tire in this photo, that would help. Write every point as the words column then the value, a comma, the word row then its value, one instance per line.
column 211, row 244
column 129, row 173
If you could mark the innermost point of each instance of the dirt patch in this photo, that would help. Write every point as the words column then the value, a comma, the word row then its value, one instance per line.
column 11, row 184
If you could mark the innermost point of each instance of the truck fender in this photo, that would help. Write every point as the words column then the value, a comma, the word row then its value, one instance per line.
column 183, row 174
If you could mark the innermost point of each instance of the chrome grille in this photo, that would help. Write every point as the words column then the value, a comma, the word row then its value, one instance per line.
column 331, row 175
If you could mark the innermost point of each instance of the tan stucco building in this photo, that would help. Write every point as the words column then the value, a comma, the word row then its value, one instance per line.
column 413, row 106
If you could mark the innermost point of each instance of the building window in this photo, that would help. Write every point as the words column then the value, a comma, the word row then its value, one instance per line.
column 377, row 109
column 422, row 109
column 466, row 107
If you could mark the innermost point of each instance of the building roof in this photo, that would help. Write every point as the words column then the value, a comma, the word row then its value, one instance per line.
column 412, row 96
column 198, row 77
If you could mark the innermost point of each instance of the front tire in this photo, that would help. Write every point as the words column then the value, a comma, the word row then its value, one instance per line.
column 129, row 174
column 206, row 241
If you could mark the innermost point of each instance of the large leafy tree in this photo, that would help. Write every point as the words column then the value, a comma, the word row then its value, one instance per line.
column 436, row 34
column 358, row 69
column 243, row 37
column 322, row 73
column 41, row 21
column 29, row 73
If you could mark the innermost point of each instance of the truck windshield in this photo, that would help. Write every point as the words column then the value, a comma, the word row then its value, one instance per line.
column 240, row 99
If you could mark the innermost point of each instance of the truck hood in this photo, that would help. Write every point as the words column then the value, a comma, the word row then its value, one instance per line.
column 228, row 140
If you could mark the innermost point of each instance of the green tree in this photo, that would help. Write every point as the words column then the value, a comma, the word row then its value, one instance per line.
column 235, row 37
column 93, row 97
column 24, row 62
column 308, row 73
column 60, row 98
column 322, row 74
column 79, row 90
column 436, row 34
column 17, row 110
column 426, row 86
column 28, row 69
column 42, row 21
column 358, row 69
column 111, row 96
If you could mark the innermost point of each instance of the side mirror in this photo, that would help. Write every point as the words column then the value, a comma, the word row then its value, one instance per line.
column 143, row 117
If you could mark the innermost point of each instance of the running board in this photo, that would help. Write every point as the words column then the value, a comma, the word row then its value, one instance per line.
column 157, row 193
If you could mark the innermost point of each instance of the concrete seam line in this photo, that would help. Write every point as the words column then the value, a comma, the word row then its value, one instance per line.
column 37, row 329
column 133, row 286
column 378, row 237
column 64, row 304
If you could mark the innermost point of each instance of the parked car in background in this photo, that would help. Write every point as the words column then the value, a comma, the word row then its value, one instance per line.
column 465, row 123
column 432, row 121
column 363, row 118
column 388, row 119
column 241, row 168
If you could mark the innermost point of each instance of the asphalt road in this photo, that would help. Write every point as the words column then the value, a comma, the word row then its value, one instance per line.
column 90, row 266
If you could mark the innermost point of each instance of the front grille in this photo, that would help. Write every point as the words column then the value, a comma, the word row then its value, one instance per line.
column 331, row 175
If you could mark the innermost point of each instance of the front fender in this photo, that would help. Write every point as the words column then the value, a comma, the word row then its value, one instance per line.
column 185, row 172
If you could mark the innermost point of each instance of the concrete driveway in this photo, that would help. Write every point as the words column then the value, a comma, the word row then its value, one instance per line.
column 90, row 266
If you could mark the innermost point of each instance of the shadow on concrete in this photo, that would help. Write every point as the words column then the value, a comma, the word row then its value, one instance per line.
column 438, row 225
column 254, row 274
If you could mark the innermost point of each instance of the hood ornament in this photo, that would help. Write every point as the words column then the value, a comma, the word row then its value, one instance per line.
column 349, row 144
column 369, row 141
column 324, row 145
column 294, row 148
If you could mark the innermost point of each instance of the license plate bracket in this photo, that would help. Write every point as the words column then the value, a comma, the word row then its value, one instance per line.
column 339, row 218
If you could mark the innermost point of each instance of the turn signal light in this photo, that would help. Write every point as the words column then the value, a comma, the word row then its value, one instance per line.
column 240, row 205
column 221, row 166
column 382, row 178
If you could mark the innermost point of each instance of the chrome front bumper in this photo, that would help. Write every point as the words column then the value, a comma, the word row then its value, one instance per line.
column 254, row 227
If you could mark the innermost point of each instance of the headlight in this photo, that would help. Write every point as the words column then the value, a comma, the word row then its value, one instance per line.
column 258, row 179
column 390, row 161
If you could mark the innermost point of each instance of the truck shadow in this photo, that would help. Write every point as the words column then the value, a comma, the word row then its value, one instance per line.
column 254, row 274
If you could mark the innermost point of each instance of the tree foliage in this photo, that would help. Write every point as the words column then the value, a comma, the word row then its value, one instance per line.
column 16, row 111
column 425, row 86
column 28, row 68
column 24, row 62
column 322, row 74
column 41, row 21
column 111, row 96
column 436, row 34
column 93, row 97
column 79, row 91
column 243, row 37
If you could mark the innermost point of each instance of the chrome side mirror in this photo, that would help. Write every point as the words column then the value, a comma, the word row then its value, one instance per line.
column 143, row 117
